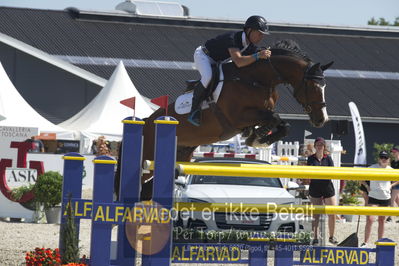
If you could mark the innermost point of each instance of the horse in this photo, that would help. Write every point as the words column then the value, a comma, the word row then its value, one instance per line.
column 246, row 104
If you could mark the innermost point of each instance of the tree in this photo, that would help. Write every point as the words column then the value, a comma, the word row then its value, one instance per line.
column 383, row 22
column 372, row 21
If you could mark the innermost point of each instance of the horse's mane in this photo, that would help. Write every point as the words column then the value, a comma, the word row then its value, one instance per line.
column 289, row 48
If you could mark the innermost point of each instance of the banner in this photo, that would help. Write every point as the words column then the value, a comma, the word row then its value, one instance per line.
column 360, row 150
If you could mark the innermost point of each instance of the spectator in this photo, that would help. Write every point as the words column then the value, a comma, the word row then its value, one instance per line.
column 38, row 145
column 322, row 191
column 379, row 194
column 103, row 146
column 94, row 149
column 395, row 189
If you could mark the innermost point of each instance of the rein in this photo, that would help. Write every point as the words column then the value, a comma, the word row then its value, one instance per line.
column 307, row 106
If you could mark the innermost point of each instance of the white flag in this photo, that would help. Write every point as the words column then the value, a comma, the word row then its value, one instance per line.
column 307, row 133
column 360, row 150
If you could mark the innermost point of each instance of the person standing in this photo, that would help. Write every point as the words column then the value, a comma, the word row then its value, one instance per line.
column 322, row 191
column 379, row 193
column 395, row 188
column 38, row 145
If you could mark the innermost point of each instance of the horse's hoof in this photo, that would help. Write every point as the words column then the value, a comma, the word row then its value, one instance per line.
column 258, row 144
column 266, row 140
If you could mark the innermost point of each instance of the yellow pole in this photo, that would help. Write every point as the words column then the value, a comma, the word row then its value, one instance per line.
column 149, row 165
column 288, row 208
column 321, row 173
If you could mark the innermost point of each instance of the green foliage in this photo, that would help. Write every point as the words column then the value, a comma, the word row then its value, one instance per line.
column 70, row 240
column 17, row 193
column 352, row 187
column 348, row 199
column 48, row 189
column 383, row 22
column 381, row 147
column 350, row 193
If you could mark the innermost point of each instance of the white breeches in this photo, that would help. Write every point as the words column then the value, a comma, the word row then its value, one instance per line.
column 203, row 65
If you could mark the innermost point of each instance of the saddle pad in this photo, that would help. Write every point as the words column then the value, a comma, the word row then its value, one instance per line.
column 183, row 102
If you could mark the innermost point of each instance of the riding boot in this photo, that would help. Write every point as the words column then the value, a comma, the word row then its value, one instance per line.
column 195, row 113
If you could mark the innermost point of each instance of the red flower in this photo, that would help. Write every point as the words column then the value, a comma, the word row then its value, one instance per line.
column 43, row 256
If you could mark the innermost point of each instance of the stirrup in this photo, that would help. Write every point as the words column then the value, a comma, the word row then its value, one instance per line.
column 194, row 120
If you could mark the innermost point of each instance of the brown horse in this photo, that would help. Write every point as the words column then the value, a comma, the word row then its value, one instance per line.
column 247, row 100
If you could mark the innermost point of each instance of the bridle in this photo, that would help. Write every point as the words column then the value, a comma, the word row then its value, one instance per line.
column 307, row 106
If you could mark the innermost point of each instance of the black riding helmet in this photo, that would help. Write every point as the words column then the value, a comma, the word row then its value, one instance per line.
column 257, row 23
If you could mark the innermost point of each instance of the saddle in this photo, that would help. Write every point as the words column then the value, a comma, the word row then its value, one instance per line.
column 193, row 84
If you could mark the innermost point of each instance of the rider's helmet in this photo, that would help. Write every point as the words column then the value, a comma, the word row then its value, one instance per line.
column 257, row 23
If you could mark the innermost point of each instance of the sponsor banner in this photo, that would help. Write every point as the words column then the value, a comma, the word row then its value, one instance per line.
column 66, row 146
column 360, row 149
column 17, row 177
column 335, row 256
column 207, row 253
column 9, row 134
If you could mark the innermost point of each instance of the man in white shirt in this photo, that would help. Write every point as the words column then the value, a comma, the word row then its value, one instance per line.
column 379, row 195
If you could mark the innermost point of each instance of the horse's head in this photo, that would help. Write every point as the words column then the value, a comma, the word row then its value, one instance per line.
column 306, row 78
column 310, row 94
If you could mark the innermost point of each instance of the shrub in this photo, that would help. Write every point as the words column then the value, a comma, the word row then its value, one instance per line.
column 48, row 189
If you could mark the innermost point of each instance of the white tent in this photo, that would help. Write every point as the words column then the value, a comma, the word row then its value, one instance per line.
column 103, row 115
column 15, row 111
column 2, row 115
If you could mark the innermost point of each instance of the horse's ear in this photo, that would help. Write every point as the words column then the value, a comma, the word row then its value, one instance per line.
column 314, row 67
column 326, row 66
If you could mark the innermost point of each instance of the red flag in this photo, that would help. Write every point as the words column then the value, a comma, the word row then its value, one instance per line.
column 130, row 102
column 162, row 102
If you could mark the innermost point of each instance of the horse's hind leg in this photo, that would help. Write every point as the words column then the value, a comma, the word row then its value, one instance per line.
column 184, row 154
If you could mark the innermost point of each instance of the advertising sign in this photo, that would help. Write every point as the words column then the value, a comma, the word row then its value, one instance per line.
column 8, row 134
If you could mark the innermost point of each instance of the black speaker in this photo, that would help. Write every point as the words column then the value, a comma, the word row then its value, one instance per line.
column 340, row 127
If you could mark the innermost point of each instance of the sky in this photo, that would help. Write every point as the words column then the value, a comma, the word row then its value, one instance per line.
column 314, row 12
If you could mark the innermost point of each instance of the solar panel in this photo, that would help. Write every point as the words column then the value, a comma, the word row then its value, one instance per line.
column 163, row 64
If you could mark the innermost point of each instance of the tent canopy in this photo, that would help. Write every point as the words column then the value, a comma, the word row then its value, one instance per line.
column 15, row 111
column 103, row 115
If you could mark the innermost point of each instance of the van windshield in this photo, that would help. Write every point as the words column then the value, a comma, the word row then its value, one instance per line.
column 234, row 180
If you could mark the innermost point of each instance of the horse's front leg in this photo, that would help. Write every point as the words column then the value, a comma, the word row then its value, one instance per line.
column 281, row 131
column 261, row 130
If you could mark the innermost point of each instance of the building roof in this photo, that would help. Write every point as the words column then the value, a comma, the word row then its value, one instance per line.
column 158, row 52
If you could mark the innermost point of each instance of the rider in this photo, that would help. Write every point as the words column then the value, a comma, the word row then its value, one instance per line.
column 236, row 46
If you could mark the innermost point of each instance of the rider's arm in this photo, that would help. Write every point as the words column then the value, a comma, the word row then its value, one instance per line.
column 245, row 60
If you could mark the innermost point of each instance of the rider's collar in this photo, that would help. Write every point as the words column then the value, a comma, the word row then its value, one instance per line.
column 245, row 43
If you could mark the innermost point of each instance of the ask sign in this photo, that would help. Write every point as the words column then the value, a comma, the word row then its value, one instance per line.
column 17, row 177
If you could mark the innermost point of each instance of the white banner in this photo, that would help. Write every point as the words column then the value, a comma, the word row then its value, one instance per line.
column 8, row 134
column 17, row 177
column 360, row 150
